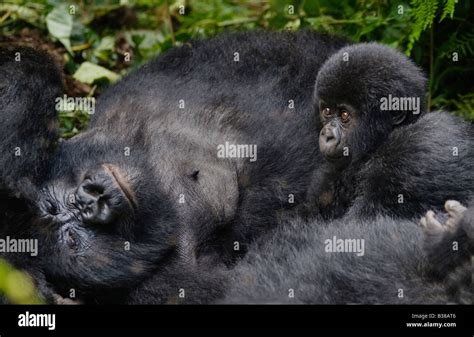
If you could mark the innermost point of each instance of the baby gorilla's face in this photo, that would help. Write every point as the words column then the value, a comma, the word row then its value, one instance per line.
column 351, row 88
column 339, row 121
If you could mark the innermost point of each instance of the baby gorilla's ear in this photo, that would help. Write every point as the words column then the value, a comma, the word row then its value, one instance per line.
column 399, row 117
column 103, row 195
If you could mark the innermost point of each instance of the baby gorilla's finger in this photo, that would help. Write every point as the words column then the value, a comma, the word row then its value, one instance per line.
column 455, row 213
column 431, row 226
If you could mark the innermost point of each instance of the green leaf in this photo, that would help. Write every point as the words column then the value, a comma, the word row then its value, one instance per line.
column 21, row 12
column 105, row 48
column 448, row 9
column 90, row 73
column 60, row 23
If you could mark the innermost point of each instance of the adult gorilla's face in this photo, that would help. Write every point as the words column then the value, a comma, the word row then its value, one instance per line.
column 102, row 222
column 101, row 197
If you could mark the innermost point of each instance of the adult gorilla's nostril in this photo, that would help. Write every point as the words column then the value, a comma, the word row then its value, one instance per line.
column 93, row 203
column 93, row 189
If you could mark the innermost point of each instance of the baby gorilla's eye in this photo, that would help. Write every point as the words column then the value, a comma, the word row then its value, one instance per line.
column 326, row 112
column 345, row 116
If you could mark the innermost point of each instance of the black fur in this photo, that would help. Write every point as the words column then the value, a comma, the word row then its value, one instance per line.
column 29, row 85
column 400, row 169
column 124, row 237
column 228, row 201
column 396, row 257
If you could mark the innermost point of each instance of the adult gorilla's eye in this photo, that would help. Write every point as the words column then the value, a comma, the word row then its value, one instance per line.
column 51, row 208
column 345, row 116
column 326, row 112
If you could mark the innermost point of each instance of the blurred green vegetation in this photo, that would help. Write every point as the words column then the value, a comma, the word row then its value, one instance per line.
column 16, row 286
column 96, row 42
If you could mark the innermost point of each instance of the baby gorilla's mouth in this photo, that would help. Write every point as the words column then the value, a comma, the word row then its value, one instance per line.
column 122, row 183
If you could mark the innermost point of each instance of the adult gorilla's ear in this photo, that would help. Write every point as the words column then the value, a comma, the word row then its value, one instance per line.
column 399, row 117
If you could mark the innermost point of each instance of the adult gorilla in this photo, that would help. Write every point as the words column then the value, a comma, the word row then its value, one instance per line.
column 186, row 160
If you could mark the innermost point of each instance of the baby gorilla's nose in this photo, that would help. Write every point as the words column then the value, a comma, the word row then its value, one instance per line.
column 93, row 199
column 329, row 137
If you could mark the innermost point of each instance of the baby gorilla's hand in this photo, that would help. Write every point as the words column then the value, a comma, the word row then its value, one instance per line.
column 448, row 246
column 434, row 229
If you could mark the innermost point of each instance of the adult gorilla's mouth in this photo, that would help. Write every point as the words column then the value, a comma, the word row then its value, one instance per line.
column 122, row 183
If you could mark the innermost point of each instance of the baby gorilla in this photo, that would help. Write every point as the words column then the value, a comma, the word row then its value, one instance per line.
column 383, row 154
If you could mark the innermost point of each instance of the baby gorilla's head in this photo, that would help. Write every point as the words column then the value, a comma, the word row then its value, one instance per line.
column 362, row 93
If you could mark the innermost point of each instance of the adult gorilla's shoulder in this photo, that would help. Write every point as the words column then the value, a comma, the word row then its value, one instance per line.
column 259, row 66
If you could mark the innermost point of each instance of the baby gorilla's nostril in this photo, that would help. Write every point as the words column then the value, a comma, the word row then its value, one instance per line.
column 329, row 137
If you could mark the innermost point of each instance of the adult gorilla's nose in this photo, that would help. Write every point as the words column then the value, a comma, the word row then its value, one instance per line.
column 104, row 194
column 93, row 201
